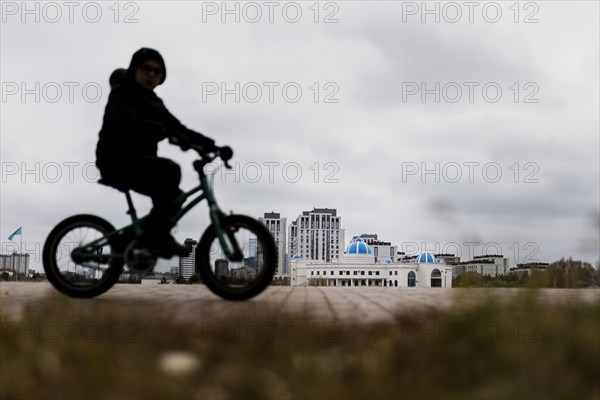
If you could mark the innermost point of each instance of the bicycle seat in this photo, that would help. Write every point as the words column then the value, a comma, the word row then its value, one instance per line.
column 116, row 185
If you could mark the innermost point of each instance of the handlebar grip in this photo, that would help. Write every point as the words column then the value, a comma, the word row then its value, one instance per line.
column 226, row 153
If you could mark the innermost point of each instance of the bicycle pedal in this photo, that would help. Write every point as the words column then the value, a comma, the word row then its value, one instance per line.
column 143, row 254
column 140, row 260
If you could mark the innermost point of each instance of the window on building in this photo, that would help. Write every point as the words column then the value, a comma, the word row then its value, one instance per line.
column 362, row 272
column 331, row 273
column 436, row 278
column 370, row 273
column 355, row 273
column 317, row 272
column 412, row 279
column 376, row 272
column 312, row 272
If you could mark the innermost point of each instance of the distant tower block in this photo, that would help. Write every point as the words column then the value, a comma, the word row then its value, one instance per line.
column 316, row 235
column 277, row 226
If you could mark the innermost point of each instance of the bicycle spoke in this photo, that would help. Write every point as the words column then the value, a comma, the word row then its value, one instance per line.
column 237, row 274
column 87, row 272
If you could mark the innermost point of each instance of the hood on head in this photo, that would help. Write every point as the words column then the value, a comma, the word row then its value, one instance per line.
column 118, row 77
column 142, row 55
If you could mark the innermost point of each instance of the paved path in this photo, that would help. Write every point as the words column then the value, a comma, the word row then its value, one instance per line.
column 325, row 303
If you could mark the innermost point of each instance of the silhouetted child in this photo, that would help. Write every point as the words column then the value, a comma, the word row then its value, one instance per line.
column 135, row 120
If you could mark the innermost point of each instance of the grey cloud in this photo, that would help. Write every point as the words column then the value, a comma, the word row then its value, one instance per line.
column 368, row 134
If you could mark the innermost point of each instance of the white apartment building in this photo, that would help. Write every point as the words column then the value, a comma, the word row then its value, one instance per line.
column 489, row 264
column 277, row 226
column 187, row 265
column 317, row 235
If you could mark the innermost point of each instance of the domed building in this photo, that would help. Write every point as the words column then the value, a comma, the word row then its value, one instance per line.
column 425, row 257
column 358, row 267
column 358, row 246
column 358, row 252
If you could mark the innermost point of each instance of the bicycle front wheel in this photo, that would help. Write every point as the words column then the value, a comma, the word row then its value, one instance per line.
column 237, row 279
column 79, row 260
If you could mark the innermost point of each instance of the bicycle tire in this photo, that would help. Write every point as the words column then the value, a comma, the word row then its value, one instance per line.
column 264, row 241
column 51, row 251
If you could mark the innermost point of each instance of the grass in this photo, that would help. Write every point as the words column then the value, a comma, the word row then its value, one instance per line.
column 514, row 349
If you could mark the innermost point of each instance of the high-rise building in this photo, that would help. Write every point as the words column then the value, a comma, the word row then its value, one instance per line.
column 221, row 268
column 252, row 247
column 277, row 226
column 316, row 235
column 187, row 265
column 14, row 262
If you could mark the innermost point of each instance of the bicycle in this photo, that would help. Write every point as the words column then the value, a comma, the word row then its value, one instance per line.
column 84, row 255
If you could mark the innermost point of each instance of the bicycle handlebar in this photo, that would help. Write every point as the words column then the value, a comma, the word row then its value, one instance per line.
column 225, row 153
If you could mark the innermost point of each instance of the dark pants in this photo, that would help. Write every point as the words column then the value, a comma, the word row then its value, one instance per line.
column 153, row 176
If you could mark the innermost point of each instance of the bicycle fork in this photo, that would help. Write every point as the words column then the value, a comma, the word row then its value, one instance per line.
column 226, row 235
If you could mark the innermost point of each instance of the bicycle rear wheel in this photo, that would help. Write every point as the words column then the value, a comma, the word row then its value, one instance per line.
column 77, row 271
column 243, row 279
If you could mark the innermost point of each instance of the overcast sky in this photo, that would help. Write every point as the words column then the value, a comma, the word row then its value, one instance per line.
column 360, row 98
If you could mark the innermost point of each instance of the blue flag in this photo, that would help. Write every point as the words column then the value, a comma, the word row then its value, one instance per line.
column 17, row 232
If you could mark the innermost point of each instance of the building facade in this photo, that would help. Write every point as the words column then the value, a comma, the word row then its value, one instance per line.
column 529, row 268
column 278, row 227
column 221, row 268
column 187, row 265
column 490, row 264
column 317, row 235
column 357, row 267
column 381, row 250
column 14, row 262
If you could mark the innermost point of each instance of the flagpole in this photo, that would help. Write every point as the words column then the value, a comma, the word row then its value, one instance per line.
column 15, row 268
column 20, row 250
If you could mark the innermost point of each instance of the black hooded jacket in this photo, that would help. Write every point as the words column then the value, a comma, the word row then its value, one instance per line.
column 135, row 120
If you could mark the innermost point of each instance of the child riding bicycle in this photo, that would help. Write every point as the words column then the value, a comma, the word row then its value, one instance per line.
column 135, row 120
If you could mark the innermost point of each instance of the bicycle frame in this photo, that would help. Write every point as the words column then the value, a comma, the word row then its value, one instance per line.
column 229, row 245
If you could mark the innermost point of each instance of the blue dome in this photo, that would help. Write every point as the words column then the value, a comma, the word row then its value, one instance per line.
column 426, row 257
column 359, row 247
column 296, row 257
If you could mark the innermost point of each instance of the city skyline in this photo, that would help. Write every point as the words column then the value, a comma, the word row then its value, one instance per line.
column 465, row 137
column 465, row 250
